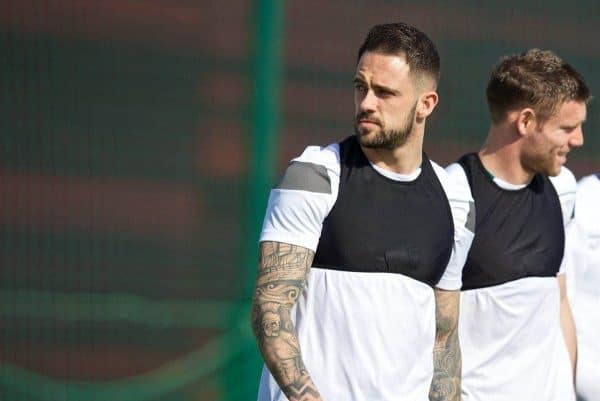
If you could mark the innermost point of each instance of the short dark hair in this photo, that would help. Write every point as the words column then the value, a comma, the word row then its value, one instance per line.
column 400, row 38
column 538, row 79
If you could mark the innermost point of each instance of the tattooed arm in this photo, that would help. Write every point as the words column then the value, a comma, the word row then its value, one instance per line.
column 446, row 352
column 282, row 272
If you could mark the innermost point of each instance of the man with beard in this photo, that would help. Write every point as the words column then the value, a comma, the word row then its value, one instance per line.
column 516, row 328
column 386, row 236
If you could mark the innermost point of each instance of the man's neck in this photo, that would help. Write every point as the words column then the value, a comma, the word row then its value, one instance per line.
column 405, row 159
column 500, row 156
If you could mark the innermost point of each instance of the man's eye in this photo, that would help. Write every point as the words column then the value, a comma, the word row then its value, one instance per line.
column 384, row 93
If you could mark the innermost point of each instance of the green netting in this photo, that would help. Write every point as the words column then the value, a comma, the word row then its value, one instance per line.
column 149, row 386
column 138, row 141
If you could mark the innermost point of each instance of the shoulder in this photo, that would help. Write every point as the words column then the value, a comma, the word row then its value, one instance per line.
column 588, row 194
column 303, row 198
column 457, row 174
column 566, row 189
column 589, row 184
column 326, row 156
column 456, row 187
column 564, row 183
column 316, row 170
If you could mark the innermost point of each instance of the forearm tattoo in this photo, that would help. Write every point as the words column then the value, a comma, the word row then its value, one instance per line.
column 281, row 279
column 447, row 360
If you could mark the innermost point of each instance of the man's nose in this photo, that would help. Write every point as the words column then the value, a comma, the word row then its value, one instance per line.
column 576, row 139
column 369, row 102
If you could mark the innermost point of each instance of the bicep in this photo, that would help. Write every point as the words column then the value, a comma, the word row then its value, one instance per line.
column 282, row 271
column 287, row 260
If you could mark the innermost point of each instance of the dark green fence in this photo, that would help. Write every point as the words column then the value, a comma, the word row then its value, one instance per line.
column 138, row 141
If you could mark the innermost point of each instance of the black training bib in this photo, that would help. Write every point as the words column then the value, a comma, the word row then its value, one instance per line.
column 518, row 233
column 381, row 225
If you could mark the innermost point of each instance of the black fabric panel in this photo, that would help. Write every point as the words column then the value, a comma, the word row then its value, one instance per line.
column 381, row 225
column 518, row 233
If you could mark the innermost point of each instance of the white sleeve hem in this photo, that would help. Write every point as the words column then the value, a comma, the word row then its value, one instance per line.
column 289, row 239
column 449, row 284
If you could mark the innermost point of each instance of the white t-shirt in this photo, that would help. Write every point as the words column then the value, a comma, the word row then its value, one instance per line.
column 364, row 336
column 510, row 334
column 584, row 277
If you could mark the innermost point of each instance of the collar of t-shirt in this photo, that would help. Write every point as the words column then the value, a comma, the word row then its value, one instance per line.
column 506, row 185
column 397, row 176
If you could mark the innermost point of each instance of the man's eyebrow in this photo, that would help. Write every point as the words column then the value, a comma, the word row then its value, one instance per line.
column 385, row 88
column 574, row 125
column 359, row 80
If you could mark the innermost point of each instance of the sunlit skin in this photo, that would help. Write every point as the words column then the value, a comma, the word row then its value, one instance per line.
column 546, row 150
column 521, row 146
column 391, row 105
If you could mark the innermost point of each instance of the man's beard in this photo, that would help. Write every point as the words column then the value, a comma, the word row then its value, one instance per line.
column 385, row 139
column 540, row 158
column 541, row 164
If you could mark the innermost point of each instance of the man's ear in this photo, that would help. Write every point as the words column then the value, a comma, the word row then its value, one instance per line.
column 525, row 121
column 426, row 104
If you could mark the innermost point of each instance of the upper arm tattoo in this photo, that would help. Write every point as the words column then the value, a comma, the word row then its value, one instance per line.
column 447, row 359
column 281, row 279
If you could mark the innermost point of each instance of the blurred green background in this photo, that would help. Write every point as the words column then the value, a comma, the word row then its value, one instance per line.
column 139, row 140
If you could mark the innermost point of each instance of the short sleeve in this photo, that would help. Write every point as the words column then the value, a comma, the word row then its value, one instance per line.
column 565, row 185
column 462, row 206
column 303, row 198
column 575, row 257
